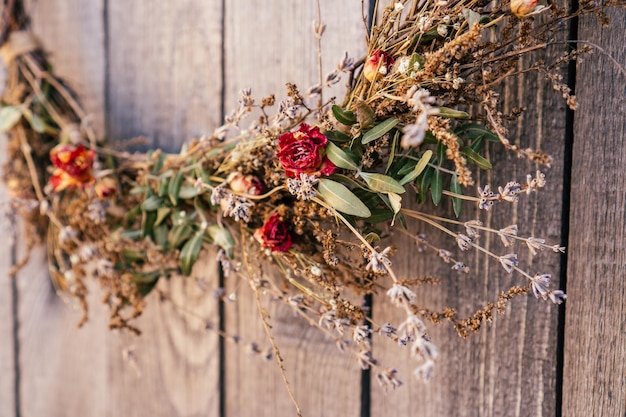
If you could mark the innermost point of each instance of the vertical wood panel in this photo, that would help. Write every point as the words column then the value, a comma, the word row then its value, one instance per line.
column 7, row 356
column 509, row 367
column 63, row 370
column 164, row 82
column 595, row 322
column 267, row 45
column 164, row 70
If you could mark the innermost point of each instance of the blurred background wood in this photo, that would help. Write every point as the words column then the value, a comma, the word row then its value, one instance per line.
column 169, row 71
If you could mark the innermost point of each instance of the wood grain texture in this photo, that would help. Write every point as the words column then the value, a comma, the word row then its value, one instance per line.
column 595, row 323
column 72, row 33
column 509, row 367
column 7, row 339
column 164, row 63
column 164, row 70
column 267, row 46
column 63, row 370
column 172, row 368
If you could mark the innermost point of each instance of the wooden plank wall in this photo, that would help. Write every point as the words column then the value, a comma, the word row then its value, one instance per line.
column 167, row 70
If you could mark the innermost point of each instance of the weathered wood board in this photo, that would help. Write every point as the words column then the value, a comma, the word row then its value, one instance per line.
column 493, row 372
column 266, row 47
column 595, row 321
column 7, row 299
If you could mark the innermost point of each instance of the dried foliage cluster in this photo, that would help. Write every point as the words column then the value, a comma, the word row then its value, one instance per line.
column 311, row 187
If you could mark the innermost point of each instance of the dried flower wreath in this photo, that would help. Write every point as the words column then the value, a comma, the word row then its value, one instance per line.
column 311, row 187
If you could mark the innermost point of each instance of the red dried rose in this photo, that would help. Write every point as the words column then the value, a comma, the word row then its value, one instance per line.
column 377, row 65
column 302, row 152
column 274, row 234
column 73, row 166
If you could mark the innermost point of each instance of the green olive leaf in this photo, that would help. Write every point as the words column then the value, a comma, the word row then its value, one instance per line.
column 448, row 113
column 222, row 238
column 379, row 130
column 419, row 167
column 340, row 158
column 382, row 183
column 396, row 204
column 9, row 116
column 173, row 190
column 436, row 187
column 190, row 252
column 457, row 203
column 475, row 158
column 339, row 197
column 152, row 203
column 343, row 116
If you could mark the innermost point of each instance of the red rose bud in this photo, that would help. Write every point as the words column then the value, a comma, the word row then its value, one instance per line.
column 106, row 187
column 73, row 166
column 274, row 235
column 377, row 65
column 246, row 184
column 521, row 8
column 302, row 152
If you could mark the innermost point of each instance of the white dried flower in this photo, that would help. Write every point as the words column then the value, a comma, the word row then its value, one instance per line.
column 303, row 186
column 508, row 262
column 535, row 244
column 506, row 233
column 400, row 294
column 411, row 329
column 238, row 208
column 379, row 262
column 464, row 242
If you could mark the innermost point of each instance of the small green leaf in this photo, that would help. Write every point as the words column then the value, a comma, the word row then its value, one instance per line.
column 416, row 63
column 338, row 157
column 382, row 183
column 421, row 165
column 188, row 192
column 396, row 205
column 162, row 214
column 337, row 137
column 37, row 124
column 222, row 238
column 392, row 151
column 178, row 234
column 339, row 197
column 160, row 233
column 190, row 252
column 448, row 113
column 343, row 116
column 173, row 190
column 457, row 203
column 475, row 158
column 140, row 189
column 424, row 183
column 436, row 187
column 152, row 203
column 380, row 215
column 441, row 152
column 147, row 223
column 134, row 256
column 379, row 130
column 9, row 116
column 475, row 131
column 145, row 282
